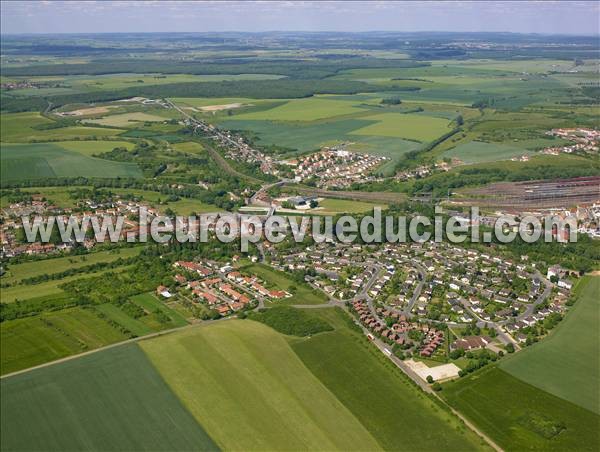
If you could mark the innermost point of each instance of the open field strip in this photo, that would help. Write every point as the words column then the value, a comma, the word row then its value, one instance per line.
column 95, row 147
column 17, row 272
column 567, row 364
column 336, row 206
column 244, row 384
column 393, row 409
column 151, row 304
column 113, row 399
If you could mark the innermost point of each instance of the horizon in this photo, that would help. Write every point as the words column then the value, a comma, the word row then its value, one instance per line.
column 579, row 18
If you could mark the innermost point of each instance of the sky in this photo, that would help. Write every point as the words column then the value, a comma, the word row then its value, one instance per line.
column 548, row 17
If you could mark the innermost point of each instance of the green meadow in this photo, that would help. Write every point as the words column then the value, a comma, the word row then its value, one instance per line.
column 408, row 126
column 567, row 364
column 480, row 152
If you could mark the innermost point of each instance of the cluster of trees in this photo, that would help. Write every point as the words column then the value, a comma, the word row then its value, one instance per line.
column 477, row 360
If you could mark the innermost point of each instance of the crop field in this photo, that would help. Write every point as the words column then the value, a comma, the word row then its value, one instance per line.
column 109, row 400
column 49, row 160
column 377, row 393
column 480, row 152
column 519, row 416
column 36, row 340
column 17, row 272
column 408, row 126
column 114, row 313
column 567, row 364
column 303, row 294
column 244, row 384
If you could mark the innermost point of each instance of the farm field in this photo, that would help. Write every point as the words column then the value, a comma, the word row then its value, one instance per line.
column 31, row 341
column 377, row 393
column 568, row 362
column 480, row 152
column 519, row 416
column 90, row 148
column 17, row 272
column 113, row 399
column 190, row 147
column 247, row 388
column 304, row 294
column 50, row 160
column 408, row 126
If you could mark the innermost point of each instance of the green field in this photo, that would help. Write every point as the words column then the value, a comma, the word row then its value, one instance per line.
column 111, row 400
column 244, row 384
column 50, row 160
column 190, row 147
column 303, row 294
column 332, row 206
column 519, row 416
column 17, row 272
column 309, row 109
column 94, row 147
column 18, row 127
column 479, row 152
column 36, row 340
column 567, row 364
column 150, row 304
column 26, row 291
column 379, row 395
column 126, row 119
column 408, row 126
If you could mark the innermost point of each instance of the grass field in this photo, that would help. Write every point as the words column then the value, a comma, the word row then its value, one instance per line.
column 479, row 152
column 126, row 119
column 36, row 340
column 336, row 206
column 519, row 416
column 150, row 303
column 18, row 127
column 396, row 413
column 111, row 400
column 17, row 272
column 137, row 327
column 49, row 160
column 244, row 384
column 408, row 126
column 303, row 293
column 191, row 147
column 24, row 292
column 94, row 147
column 567, row 364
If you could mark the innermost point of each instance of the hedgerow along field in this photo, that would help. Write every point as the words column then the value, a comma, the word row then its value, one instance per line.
column 50, row 160
column 110, row 400
column 567, row 364
column 244, row 384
